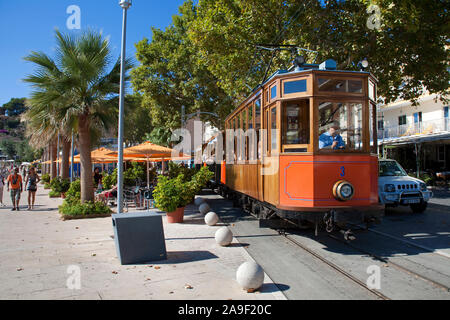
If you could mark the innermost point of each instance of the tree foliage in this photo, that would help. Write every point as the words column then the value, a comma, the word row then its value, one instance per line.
column 14, row 107
column 172, row 74
column 407, row 53
column 137, row 119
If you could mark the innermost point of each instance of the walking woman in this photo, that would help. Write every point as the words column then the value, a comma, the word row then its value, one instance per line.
column 2, row 184
column 31, row 183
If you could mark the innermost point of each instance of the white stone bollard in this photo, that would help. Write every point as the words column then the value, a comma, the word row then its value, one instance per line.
column 223, row 236
column 204, row 208
column 198, row 201
column 250, row 276
column 211, row 218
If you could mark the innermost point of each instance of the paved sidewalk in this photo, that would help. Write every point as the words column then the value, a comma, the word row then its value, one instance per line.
column 36, row 249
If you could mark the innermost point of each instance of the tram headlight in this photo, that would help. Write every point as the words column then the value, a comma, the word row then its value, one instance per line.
column 343, row 190
column 389, row 188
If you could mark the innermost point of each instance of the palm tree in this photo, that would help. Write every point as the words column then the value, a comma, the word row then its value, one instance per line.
column 43, row 131
column 81, row 89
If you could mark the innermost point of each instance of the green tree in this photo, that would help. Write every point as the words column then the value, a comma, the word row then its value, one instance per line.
column 9, row 148
column 137, row 119
column 82, row 88
column 171, row 75
column 15, row 107
column 407, row 53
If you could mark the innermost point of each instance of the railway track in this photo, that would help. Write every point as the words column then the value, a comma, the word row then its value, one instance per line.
column 438, row 252
column 334, row 266
column 390, row 263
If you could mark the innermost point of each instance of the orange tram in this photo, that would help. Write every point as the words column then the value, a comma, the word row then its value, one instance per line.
column 308, row 159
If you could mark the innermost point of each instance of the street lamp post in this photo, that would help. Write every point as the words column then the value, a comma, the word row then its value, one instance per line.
column 125, row 4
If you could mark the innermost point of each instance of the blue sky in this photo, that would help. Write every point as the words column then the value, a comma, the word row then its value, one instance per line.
column 28, row 25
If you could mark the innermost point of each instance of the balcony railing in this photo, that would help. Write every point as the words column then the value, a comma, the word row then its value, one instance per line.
column 414, row 129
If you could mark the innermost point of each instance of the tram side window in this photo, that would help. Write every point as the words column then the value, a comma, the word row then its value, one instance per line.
column 340, row 85
column 239, row 136
column 340, row 126
column 244, row 139
column 258, row 127
column 250, row 136
column 273, row 131
column 295, row 125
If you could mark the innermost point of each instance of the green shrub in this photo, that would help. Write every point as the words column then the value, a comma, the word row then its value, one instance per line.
column 109, row 180
column 83, row 209
column 130, row 176
column 72, row 205
column 60, row 185
column 73, row 195
column 46, row 178
column 201, row 178
column 54, row 194
column 46, row 185
column 170, row 194
column 167, row 194
column 176, row 169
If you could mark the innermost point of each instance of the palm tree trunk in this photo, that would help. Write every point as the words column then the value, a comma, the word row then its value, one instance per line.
column 53, row 153
column 84, row 144
column 65, row 167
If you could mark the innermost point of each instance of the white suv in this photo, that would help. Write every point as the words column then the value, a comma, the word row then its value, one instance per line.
column 395, row 187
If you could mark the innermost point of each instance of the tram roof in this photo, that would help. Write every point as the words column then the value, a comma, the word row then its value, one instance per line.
column 326, row 66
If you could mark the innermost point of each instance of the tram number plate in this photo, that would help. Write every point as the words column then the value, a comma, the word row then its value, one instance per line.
column 411, row 201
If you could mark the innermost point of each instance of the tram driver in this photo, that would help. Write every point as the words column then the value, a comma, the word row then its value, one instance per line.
column 331, row 139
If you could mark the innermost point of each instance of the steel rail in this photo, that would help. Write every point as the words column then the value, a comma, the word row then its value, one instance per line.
column 388, row 262
column 334, row 266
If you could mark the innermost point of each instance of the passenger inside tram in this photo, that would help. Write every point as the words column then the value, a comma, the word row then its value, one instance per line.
column 331, row 139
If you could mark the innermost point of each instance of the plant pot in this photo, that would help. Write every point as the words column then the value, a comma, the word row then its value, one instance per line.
column 63, row 195
column 176, row 216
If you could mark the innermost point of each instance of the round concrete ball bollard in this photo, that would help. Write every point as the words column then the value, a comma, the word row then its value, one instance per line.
column 199, row 201
column 250, row 276
column 204, row 208
column 223, row 236
column 211, row 218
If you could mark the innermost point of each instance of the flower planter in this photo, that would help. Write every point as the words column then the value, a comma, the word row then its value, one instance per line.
column 176, row 216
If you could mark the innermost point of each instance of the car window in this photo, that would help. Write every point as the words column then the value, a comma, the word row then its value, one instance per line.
column 391, row 168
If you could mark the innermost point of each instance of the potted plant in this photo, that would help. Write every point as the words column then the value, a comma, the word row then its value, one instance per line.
column 167, row 195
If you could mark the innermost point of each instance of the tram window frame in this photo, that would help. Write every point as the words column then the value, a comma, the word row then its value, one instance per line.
column 348, row 118
column 273, row 141
column 258, row 125
column 372, row 90
column 288, row 86
column 346, row 82
column 238, row 137
column 250, row 135
column 244, row 128
column 302, row 122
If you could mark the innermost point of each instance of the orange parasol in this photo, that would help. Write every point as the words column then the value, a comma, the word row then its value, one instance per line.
column 149, row 151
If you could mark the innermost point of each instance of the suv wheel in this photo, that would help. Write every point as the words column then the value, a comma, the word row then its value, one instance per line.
column 419, row 207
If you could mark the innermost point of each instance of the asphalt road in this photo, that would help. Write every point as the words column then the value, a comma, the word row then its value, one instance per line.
column 419, row 243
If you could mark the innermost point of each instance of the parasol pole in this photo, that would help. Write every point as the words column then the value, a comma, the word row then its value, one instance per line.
column 148, row 175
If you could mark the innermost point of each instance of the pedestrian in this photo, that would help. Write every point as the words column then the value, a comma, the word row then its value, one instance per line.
column 31, row 183
column 14, row 182
column 98, row 179
column 2, row 183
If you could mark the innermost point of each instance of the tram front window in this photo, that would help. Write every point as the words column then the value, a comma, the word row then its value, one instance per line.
column 340, row 126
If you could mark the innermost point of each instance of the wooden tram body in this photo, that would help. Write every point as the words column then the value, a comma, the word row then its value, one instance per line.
column 290, row 174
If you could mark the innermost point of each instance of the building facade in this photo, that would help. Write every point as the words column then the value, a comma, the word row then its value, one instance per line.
column 417, row 136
